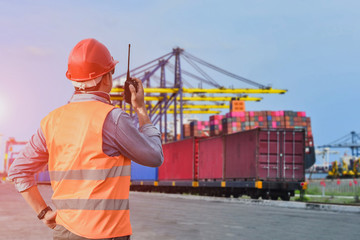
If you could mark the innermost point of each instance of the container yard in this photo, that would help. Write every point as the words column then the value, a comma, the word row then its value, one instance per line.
column 235, row 152
column 232, row 152
column 261, row 154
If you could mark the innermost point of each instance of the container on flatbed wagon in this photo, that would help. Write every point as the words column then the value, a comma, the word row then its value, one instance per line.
column 143, row 173
column 43, row 177
column 265, row 154
column 180, row 160
column 211, row 158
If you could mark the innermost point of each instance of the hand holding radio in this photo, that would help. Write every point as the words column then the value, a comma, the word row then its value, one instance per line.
column 134, row 91
column 134, row 95
column 128, row 94
column 137, row 94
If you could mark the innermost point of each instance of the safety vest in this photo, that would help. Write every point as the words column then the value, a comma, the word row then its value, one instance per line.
column 91, row 189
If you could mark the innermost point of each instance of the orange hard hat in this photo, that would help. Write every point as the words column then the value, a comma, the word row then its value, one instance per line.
column 89, row 59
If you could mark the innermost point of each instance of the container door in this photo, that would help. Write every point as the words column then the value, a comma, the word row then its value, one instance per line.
column 269, row 155
column 281, row 155
column 292, row 155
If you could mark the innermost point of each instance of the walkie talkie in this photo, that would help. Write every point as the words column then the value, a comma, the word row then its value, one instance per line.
column 129, row 81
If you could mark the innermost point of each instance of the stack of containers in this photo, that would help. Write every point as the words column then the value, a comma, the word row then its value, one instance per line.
column 216, row 125
column 257, row 120
column 199, row 128
column 237, row 121
column 234, row 122
column 275, row 119
column 298, row 120
column 295, row 119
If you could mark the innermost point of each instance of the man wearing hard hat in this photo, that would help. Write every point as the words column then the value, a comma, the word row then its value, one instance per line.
column 88, row 144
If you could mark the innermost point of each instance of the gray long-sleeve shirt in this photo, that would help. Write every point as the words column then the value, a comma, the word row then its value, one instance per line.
column 120, row 137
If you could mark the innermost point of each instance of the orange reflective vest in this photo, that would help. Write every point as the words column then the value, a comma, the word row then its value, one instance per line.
column 91, row 189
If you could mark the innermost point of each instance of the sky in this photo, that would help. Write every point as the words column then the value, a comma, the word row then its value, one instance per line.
column 310, row 48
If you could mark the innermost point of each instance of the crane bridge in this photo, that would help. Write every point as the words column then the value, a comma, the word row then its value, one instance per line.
column 170, row 92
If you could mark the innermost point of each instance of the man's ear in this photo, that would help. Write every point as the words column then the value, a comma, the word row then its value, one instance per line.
column 107, row 79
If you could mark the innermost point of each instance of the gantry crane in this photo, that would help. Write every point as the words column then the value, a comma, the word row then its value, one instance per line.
column 9, row 153
column 325, row 163
column 347, row 141
column 178, row 98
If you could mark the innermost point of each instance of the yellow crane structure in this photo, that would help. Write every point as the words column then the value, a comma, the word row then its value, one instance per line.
column 343, row 170
column 356, row 168
column 334, row 172
column 163, row 97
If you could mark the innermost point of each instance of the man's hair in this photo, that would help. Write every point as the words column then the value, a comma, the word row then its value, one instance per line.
column 94, row 88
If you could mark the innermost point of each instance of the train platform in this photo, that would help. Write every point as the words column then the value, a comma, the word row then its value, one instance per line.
column 167, row 217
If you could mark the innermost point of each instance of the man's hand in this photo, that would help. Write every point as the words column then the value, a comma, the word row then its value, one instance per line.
column 137, row 98
column 33, row 197
column 138, row 103
column 49, row 219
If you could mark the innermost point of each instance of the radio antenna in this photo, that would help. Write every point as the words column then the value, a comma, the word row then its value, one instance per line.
column 128, row 72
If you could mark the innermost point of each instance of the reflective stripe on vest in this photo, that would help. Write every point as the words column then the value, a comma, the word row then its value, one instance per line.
column 91, row 189
column 92, row 204
column 92, row 174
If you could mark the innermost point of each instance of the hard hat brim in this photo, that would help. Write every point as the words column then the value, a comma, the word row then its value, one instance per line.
column 68, row 75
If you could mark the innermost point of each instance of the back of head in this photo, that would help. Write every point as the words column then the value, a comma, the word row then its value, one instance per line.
column 88, row 61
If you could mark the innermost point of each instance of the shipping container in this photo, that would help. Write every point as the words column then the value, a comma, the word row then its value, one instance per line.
column 140, row 172
column 266, row 163
column 180, row 160
column 237, row 106
column 265, row 154
column 211, row 158
column 43, row 177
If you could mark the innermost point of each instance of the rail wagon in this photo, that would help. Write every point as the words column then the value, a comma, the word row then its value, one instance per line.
column 267, row 163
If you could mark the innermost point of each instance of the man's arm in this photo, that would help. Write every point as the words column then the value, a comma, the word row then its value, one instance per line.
column 120, row 136
column 33, row 197
column 32, row 159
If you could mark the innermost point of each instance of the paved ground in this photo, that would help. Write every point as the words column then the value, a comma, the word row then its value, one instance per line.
column 155, row 216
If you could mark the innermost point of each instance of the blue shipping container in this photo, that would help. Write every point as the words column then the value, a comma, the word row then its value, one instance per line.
column 44, row 176
column 140, row 172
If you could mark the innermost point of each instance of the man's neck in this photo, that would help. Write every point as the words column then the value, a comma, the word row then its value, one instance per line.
column 97, row 93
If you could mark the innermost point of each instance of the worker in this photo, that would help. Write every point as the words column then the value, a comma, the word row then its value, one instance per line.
column 88, row 144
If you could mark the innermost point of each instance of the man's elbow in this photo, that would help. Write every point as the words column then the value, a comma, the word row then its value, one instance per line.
column 157, row 160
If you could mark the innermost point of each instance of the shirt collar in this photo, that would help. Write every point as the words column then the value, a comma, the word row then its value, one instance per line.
column 80, row 96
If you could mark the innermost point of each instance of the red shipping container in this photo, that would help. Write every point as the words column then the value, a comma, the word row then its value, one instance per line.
column 262, row 154
column 180, row 160
column 211, row 158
